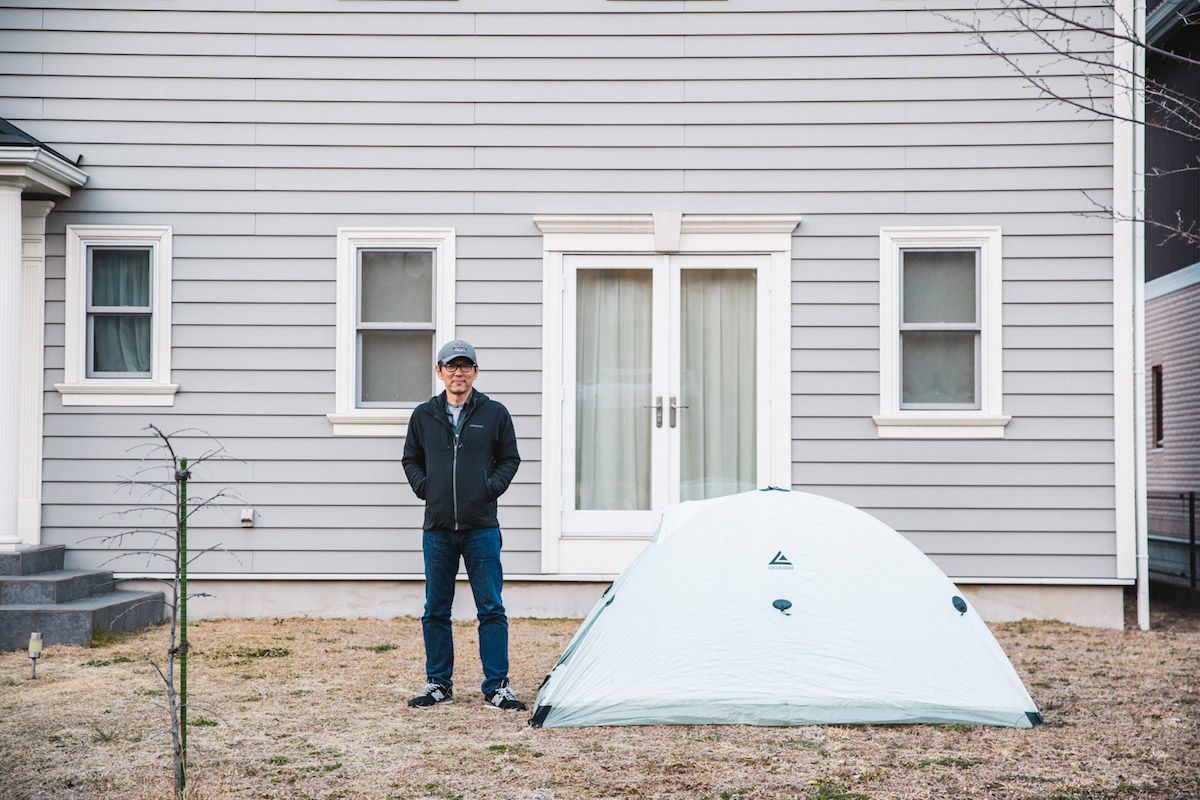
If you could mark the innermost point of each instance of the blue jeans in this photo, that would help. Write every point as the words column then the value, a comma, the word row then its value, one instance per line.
column 480, row 549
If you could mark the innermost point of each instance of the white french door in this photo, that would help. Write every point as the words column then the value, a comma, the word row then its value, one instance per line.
column 664, row 372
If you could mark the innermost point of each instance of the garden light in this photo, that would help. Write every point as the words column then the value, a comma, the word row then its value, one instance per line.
column 35, row 652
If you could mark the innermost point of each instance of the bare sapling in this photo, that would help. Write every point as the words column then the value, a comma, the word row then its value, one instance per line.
column 162, row 477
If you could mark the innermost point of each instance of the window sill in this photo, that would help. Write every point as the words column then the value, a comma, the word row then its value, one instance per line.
column 117, row 393
column 371, row 423
column 941, row 426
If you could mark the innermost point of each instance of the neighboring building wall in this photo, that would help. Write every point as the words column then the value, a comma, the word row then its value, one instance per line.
column 1173, row 469
column 256, row 135
column 1172, row 333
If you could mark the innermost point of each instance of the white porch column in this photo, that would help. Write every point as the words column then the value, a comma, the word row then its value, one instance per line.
column 10, row 359
column 33, row 341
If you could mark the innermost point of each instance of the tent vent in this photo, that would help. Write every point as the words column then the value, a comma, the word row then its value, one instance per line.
column 539, row 716
column 960, row 604
column 783, row 606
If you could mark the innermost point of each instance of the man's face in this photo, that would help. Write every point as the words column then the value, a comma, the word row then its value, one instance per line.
column 458, row 375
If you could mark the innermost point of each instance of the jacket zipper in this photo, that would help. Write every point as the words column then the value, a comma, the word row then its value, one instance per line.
column 454, row 480
column 454, row 463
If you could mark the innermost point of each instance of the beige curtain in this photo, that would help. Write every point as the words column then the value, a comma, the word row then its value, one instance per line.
column 718, row 430
column 612, row 388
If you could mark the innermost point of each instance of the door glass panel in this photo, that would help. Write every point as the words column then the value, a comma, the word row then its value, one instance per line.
column 612, row 388
column 718, row 430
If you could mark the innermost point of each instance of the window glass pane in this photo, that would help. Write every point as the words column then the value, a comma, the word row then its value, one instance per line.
column 120, row 277
column 938, row 367
column 120, row 342
column 612, row 386
column 397, row 285
column 397, row 366
column 718, row 431
column 939, row 286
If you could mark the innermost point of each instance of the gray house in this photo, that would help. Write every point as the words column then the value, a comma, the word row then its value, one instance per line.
column 701, row 247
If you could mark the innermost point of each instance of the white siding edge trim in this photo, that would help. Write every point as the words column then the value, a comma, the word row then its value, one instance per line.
column 550, row 579
column 1173, row 282
column 1128, row 310
column 347, row 420
column 79, row 390
column 768, row 234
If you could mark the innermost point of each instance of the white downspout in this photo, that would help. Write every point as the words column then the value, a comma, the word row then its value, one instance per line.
column 1139, row 317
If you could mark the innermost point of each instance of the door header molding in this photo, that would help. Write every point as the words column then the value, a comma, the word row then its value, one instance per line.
column 644, row 224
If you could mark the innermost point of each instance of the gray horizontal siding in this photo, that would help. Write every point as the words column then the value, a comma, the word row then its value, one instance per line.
column 587, row 180
column 257, row 127
column 30, row 82
column 596, row 112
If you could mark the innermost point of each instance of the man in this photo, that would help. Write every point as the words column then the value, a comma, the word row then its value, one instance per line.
column 459, row 456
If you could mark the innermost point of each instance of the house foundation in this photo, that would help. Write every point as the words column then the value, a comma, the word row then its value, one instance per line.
column 1093, row 606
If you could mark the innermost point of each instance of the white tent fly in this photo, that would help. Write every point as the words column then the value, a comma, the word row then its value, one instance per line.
column 781, row 608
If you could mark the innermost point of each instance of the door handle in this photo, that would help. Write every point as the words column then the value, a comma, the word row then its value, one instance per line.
column 674, row 406
column 658, row 412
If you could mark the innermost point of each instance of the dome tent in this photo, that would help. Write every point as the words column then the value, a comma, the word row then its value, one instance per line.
column 781, row 608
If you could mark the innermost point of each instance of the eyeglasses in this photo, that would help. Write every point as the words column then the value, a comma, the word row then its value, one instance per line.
column 463, row 368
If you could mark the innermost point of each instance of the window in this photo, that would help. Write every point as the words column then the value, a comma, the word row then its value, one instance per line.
column 939, row 328
column 1156, row 374
column 118, row 316
column 395, row 296
column 940, row 333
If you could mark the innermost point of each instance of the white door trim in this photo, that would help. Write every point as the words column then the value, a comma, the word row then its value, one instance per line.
column 632, row 235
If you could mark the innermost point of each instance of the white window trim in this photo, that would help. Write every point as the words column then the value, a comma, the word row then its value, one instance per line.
column 986, row 422
column 79, row 390
column 661, row 232
column 347, row 419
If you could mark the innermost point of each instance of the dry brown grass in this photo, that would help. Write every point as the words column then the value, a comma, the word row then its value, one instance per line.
column 304, row 709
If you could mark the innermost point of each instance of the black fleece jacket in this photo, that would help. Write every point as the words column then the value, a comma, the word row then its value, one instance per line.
column 460, row 477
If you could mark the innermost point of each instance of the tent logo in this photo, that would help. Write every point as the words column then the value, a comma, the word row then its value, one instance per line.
column 780, row 561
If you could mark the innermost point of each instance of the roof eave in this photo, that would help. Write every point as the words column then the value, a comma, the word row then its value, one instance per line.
column 1167, row 19
column 43, row 171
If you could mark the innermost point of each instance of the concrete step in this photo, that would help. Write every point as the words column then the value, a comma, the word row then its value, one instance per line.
column 31, row 560
column 59, row 586
column 73, row 622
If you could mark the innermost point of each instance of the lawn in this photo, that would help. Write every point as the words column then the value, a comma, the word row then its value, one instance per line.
column 308, row 708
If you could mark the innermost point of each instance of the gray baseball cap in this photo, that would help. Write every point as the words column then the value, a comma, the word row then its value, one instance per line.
column 456, row 348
